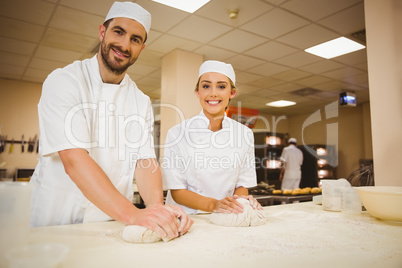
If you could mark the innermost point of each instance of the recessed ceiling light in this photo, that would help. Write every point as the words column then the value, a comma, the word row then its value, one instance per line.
column 185, row 5
column 280, row 103
column 335, row 48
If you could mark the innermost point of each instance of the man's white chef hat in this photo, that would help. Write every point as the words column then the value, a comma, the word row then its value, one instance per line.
column 130, row 10
column 292, row 140
column 213, row 66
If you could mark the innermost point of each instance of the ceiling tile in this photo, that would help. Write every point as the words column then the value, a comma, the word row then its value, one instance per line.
column 245, row 89
column 244, row 77
column 362, row 66
column 153, row 35
column 141, row 69
column 167, row 43
column 76, row 21
column 317, row 9
column 17, row 46
column 291, row 75
column 275, row 23
column 322, row 66
column 343, row 74
column 95, row 7
column 348, row 21
column 69, row 41
column 11, row 71
column 308, row 36
column 33, row 11
column 13, row 59
column 214, row 53
column 288, row 87
column 150, row 57
column 268, row 69
column 275, row 2
column 271, row 50
column 241, row 62
column 238, row 41
column 331, row 86
column 312, row 80
column 35, row 75
column 20, row 30
column 163, row 17
column 265, row 93
column 61, row 55
column 248, row 10
column 266, row 82
column 353, row 58
column 199, row 29
column 47, row 65
column 298, row 59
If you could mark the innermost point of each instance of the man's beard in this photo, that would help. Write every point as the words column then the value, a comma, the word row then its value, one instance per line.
column 110, row 63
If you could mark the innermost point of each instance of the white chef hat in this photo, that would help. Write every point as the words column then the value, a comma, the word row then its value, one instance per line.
column 130, row 10
column 213, row 66
column 292, row 140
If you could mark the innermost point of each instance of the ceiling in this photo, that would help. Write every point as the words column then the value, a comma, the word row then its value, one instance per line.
column 265, row 44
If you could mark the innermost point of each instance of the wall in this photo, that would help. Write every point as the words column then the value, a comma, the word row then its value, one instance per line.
column 346, row 128
column 18, row 116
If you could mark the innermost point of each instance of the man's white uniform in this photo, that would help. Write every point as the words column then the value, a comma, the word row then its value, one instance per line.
column 112, row 122
column 293, row 158
column 212, row 164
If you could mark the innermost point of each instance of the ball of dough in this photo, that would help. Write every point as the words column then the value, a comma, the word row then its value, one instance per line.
column 287, row 191
column 295, row 191
column 277, row 191
column 315, row 190
column 139, row 234
column 304, row 191
column 249, row 216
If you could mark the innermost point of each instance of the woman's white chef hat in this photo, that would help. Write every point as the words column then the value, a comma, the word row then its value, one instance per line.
column 292, row 140
column 213, row 66
column 130, row 10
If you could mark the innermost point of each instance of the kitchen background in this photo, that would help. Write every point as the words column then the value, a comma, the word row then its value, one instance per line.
column 265, row 44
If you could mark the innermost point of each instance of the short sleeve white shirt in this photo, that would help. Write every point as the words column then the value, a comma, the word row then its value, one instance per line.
column 112, row 122
column 212, row 164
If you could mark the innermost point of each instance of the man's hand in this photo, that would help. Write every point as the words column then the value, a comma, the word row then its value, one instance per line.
column 158, row 219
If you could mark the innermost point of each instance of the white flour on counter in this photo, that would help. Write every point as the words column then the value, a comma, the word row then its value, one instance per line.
column 290, row 233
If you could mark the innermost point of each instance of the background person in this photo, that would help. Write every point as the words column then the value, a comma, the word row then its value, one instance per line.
column 96, row 133
column 209, row 159
column 290, row 175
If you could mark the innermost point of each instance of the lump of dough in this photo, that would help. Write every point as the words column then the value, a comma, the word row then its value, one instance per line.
column 249, row 216
column 287, row 191
column 141, row 234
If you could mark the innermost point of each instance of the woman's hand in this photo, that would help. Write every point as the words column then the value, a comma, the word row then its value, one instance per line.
column 253, row 202
column 228, row 205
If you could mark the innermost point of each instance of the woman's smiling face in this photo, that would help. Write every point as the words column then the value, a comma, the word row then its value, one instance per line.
column 214, row 92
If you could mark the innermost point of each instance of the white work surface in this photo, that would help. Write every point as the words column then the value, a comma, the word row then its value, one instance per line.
column 295, row 235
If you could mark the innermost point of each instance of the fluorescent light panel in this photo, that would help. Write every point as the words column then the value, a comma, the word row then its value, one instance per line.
column 280, row 103
column 186, row 5
column 335, row 48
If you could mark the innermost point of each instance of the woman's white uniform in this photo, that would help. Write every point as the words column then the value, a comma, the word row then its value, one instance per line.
column 112, row 122
column 212, row 164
